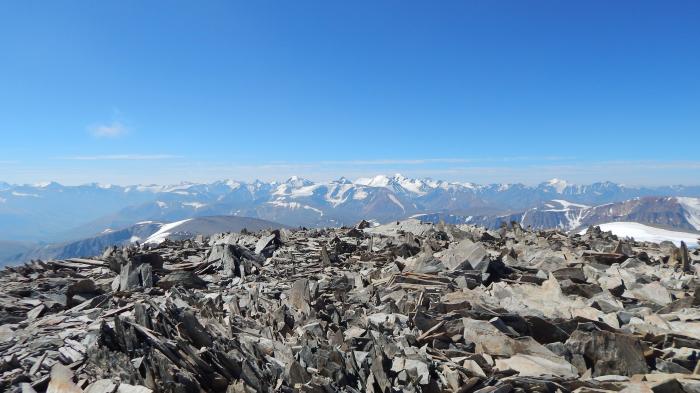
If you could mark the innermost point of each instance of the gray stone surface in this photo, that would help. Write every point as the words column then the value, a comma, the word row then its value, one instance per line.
column 407, row 306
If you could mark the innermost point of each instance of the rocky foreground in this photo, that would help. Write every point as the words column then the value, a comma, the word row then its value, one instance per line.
column 402, row 307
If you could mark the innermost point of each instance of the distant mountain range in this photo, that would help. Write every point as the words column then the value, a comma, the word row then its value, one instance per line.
column 661, row 212
column 52, row 213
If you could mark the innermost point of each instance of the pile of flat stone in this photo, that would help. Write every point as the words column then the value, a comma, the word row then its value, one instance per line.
column 403, row 307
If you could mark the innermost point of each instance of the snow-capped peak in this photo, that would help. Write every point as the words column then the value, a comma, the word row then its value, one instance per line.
column 297, row 181
column 398, row 183
column 377, row 181
column 342, row 180
column 45, row 184
column 232, row 184
column 415, row 186
column 558, row 184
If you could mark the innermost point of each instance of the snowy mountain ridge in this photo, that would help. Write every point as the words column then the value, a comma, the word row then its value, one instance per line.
column 662, row 212
column 54, row 212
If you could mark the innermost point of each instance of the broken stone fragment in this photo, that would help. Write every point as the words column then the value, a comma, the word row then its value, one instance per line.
column 300, row 296
column 325, row 258
column 465, row 255
column 126, row 388
column 81, row 287
column 36, row 312
column 267, row 245
column 608, row 352
column 27, row 388
column 101, row 386
column 195, row 331
column 225, row 256
column 62, row 380
column 182, row 278
column 490, row 340
column 363, row 225
column 575, row 274
column 685, row 258
column 536, row 366
column 416, row 370
column 134, row 275
column 653, row 292
column 297, row 374
column 6, row 334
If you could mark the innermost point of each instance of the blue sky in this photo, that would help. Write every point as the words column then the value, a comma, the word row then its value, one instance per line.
column 484, row 91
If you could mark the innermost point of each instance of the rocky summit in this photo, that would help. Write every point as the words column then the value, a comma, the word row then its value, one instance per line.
column 403, row 307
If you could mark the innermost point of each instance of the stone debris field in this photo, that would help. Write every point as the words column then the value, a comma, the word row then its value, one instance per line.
column 402, row 307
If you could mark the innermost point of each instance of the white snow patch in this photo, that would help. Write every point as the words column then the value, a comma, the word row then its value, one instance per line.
column 470, row 186
column 281, row 190
column 314, row 209
column 289, row 205
column 297, row 181
column 196, row 205
column 411, row 185
column 646, row 233
column 522, row 219
column 398, row 183
column 396, row 201
column 134, row 239
column 232, row 184
column 337, row 195
column 304, row 191
column 300, row 191
column 161, row 204
column 567, row 204
column 360, row 194
column 181, row 186
column 558, row 184
column 164, row 232
column 504, row 187
column 575, row 218
column 377, row 181
column 149, row 188
column 21, row 194
column 144, row 222
column 692, row 208
column 294, row 205
column 108, row 230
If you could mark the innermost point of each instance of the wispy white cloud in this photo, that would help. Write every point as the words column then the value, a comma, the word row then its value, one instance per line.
column 111, row 130
column 122, row 157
